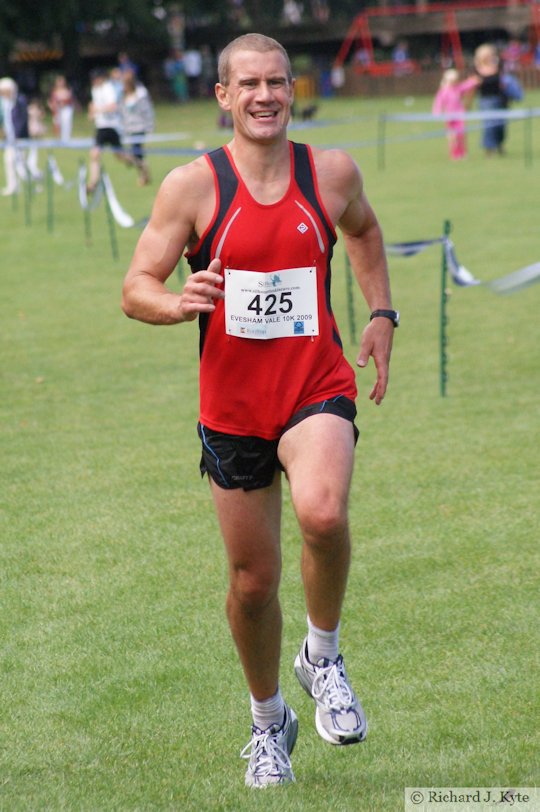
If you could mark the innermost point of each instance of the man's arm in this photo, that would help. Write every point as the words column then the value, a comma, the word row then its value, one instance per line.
column 343, row 194
column 181, row 209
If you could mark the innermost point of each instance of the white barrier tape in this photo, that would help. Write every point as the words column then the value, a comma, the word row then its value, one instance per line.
column 83, row 195
column 87, row 143
column 517, row 280
column 460, row 275
column 20, row 165
column 409, row 249
column 480, row 115
column 123, row 219
column 54, row 169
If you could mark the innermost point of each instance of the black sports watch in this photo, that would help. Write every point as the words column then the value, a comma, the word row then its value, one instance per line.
column 393, row 315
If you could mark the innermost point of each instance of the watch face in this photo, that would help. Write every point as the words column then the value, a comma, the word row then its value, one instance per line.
column 396, row 318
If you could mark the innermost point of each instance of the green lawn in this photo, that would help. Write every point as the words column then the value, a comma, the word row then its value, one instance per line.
column 120, row 688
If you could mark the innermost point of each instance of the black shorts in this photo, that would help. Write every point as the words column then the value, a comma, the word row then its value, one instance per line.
column 236, row 461
column 108, row 136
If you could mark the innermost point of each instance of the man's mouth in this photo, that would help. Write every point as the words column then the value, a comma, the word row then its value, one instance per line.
column 264, row 114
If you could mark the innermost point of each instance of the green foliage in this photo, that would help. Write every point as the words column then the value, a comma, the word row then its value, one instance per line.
column 64, row 20
column 119, row 685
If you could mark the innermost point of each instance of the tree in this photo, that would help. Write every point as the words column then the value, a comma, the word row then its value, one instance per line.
column 64, row 21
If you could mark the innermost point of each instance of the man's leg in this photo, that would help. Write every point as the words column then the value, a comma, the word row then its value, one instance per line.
column 318, row 456
column 250, row 526
column 95, row 168
column 124, row 157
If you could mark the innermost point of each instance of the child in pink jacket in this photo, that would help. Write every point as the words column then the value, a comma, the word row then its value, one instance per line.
column 450, row 99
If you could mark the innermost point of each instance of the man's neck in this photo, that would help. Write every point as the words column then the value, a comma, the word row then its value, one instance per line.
column 264, row 168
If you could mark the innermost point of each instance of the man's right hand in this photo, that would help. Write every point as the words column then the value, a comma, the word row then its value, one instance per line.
column 200, row 292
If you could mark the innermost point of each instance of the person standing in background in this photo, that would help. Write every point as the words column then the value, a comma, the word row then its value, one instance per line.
column 137, row 113
column 61, row 103
column 495, row 90
column 37, row 129
column 175, row 73
column 193, row 69
column 127, row 65
column 15, row 125
column 450, row 98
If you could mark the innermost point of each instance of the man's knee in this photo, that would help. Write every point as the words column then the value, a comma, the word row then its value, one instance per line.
column 323, row 521
column 253, row 589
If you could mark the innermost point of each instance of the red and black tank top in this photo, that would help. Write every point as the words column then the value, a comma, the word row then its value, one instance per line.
column 254, row 386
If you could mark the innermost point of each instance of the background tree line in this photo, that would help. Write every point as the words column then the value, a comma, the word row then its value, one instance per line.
column 63, row 23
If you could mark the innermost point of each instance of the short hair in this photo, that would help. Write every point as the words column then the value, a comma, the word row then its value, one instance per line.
column 249, row 42
column 98, row 73
column 486, row 55
column 8, row 85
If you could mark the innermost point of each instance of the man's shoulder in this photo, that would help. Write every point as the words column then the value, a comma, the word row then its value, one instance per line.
column 333, row 158
column 330, row 159
column 335, row 168
column 186, row 197
column 194, row 178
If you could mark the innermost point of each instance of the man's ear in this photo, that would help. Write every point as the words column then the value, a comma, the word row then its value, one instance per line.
column 222, row 96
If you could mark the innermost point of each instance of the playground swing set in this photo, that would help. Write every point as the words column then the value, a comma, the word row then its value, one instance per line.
column 360, row 37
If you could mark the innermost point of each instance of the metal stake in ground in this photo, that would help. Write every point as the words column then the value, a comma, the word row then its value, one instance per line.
column 110, row 219
column 86, row 215
column 50, row 197
column 350, row 298
column 27, row 197
column 444, row 319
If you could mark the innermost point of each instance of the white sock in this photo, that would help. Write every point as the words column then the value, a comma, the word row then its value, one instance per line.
column 322, row 644
column 268, row 711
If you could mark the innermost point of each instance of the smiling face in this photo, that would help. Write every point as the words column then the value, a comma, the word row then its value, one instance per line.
column 258, row 94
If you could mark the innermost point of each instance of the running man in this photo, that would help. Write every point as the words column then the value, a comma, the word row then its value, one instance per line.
column 258, row 217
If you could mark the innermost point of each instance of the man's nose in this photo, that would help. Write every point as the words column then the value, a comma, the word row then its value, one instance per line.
column 264, row 91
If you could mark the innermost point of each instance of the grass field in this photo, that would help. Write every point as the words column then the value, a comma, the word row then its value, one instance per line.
column 120, row 688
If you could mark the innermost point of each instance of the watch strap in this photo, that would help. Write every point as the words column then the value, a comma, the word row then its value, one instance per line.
column 393, row 315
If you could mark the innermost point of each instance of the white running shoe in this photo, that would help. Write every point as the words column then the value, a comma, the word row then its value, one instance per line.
column 269, row 753
column 339, row 716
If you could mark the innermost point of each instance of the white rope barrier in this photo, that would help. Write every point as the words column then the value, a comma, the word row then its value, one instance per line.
column 104, row 187
column 517, row 280
column 95, row 200
column 54, row 169
column 123, row 219
column 477, row 115
column 460, row 275
column 87, row 143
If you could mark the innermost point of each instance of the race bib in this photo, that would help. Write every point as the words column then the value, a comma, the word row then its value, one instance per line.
column 280, row 304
